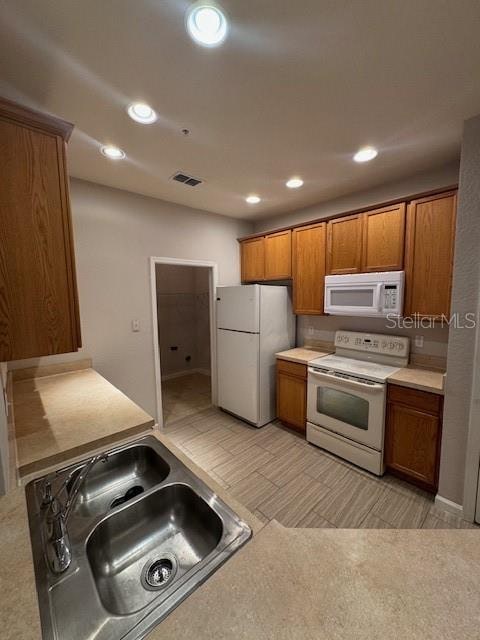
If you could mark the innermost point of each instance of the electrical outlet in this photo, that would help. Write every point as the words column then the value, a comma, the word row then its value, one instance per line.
column 419, row 341
column 310, row 331
column 135, row 326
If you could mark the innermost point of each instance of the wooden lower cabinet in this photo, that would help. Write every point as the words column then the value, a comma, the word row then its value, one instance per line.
column 292, row 394
column 413, row 435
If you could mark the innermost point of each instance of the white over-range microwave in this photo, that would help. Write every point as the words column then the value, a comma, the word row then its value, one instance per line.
column 365, row 294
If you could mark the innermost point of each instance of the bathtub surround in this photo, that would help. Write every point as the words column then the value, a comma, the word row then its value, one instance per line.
column 183, row 319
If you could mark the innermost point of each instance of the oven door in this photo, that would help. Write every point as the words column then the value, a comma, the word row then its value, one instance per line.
column 353, row 299
column 346, row 405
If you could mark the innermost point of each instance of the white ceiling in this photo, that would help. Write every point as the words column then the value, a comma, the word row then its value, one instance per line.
column 297, row 87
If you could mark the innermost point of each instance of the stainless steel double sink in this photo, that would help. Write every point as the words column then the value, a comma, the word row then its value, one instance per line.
column 144, row 532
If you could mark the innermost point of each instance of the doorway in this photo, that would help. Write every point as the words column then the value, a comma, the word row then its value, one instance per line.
column 183, row 306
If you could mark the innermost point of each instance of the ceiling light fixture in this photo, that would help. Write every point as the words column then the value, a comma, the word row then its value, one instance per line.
column 365, row 154
column 114, row 153
column 252, row 199
column 294, row 183
column 206, row 24
column 142, row 113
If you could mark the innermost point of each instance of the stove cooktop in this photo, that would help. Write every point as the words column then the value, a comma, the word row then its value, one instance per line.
column 360, row 368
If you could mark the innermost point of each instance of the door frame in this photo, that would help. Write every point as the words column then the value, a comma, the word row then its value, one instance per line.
column 213, row 283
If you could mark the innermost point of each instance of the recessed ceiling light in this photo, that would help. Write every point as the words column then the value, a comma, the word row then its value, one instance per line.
column 206, row 24
column 141, row 112
column 114, row 153
column 294, row 183
column 252, row 199
column 365, row 154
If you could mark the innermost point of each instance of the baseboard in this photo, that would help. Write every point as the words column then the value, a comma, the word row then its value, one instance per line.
column 186, row 372
column 448, row 505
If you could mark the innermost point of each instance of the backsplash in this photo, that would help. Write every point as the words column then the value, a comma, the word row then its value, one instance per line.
column 322, row 328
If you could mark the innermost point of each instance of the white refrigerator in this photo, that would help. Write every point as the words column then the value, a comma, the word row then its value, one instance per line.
column 254, row 322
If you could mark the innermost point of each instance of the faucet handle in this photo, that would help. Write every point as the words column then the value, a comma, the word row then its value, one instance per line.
column 47, row 495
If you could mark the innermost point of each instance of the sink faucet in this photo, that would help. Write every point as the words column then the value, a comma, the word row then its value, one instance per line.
column 58, row 548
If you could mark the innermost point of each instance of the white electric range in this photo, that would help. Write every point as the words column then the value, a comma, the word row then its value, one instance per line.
column 347, row 395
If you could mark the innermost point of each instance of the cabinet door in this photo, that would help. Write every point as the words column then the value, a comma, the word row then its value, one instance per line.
column 292, row 401
column 344, row 245
column 278, row 255
column 38, row 302
column 252, row 256
column 308, row 268
column 429, row 255
column 412, row 443
column 383, row 239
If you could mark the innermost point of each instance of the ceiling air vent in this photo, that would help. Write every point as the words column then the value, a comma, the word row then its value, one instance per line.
column 184, row 179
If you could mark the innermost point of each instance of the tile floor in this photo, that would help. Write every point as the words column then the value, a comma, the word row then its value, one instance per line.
column 185, row 396
column 277, row 475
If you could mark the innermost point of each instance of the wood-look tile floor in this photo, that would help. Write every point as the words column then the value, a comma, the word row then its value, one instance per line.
column 276, row 474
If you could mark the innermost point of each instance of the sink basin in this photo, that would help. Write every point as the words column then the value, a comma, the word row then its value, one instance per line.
column 172, row 524
column 124, row 475
column 144, row 533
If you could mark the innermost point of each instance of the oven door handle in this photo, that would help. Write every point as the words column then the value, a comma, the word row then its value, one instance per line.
column 374, row 386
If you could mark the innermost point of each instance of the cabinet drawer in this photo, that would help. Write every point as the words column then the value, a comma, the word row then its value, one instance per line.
column 292, row 368
column 422, row 400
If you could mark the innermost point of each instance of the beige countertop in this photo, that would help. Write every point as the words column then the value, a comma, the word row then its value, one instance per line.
column 300, row 584
column 414, row 377
column 302, row 355
column 419, row 378
column 61, row 416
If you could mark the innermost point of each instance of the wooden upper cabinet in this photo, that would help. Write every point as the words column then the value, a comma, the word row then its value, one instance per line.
column 278, row 255
column 429, row 251
column 308, row 268
column 344, row 245
column 383, row 239
column 252, row 257
column 38, row 295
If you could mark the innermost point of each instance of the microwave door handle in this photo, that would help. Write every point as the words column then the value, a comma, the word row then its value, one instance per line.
column 356, row 384
column 378, row 302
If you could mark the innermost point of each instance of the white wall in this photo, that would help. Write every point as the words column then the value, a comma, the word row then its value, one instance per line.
column 116, row 232
column 444, row 176
column 462, row 402
column 183, row 318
